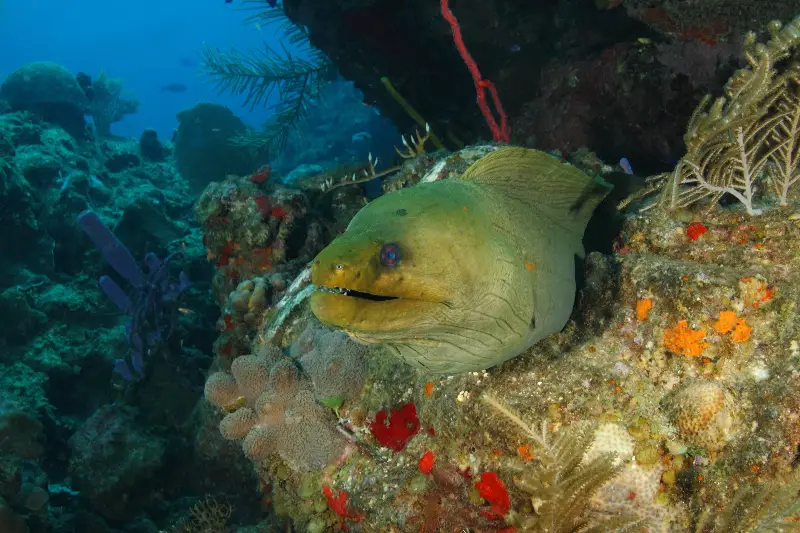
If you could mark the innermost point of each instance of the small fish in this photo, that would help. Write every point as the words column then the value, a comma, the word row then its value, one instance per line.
column 185, row 311
column 236, row 404
column 174, row 88
column 626, row 166
column 515, row 48
column 361, row 136
column 66, row 182
column 644, row 40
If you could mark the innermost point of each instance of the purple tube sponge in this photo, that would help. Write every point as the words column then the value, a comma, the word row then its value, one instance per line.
column 151, row 303
column 112, row 250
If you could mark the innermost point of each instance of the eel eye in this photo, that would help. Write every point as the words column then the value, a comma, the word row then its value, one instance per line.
column 390, row 255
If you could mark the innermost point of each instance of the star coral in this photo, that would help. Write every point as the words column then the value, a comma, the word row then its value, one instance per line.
column 705, row 414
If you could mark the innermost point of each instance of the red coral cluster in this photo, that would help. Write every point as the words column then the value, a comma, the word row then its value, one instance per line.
column 427, row 461
column 493, row 491
column 695, row 230
column 393, row 430
column 261, row 175
column 338, row 503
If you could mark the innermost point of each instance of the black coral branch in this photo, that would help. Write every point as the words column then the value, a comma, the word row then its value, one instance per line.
column 297, row 79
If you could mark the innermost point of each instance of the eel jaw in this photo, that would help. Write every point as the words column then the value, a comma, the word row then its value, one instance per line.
column 357, row 294
column 365, row 313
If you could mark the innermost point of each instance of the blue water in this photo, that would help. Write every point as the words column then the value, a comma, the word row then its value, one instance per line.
column 147, row 43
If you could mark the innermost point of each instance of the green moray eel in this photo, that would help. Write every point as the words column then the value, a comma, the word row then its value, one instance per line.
column 465, row 273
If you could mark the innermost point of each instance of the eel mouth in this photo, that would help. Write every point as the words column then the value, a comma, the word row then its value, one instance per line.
column 358, row 294
column 371, row 316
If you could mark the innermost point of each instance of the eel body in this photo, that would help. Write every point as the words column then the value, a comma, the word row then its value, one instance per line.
column 465, row 273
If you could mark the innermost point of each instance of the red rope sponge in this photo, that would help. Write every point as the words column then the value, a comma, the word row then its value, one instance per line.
column 501, row 132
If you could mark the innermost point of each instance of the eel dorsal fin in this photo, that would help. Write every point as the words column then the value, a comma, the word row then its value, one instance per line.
column 557, row 190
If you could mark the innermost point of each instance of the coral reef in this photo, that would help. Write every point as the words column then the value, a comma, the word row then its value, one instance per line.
column 49, row 90
column 111, row 455
column 677, row 355
column 203, row 153
column 108, row 104
column 77, row 453
column 669, row 402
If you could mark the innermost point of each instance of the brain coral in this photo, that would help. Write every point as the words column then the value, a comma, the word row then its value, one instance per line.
column 271, row 405
column 49, row 90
